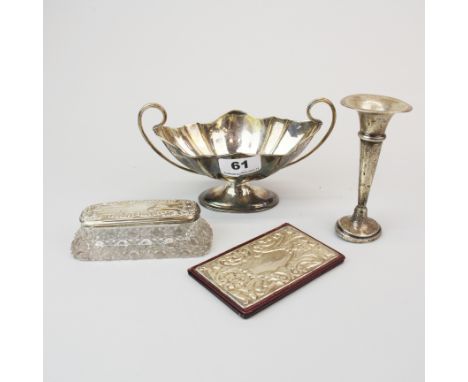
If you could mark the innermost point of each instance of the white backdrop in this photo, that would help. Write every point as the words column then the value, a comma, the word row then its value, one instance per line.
column 147, row 320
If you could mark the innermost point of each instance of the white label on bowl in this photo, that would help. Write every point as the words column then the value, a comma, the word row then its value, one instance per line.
column 240, row 166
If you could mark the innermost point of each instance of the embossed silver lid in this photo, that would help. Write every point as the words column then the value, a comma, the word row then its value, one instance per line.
column 140, row 212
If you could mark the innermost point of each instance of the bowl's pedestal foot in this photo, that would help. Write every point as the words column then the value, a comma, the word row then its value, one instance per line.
column 232, row 197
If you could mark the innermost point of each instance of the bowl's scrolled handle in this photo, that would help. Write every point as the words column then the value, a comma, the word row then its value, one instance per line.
column 330, row 129
column 142, row 130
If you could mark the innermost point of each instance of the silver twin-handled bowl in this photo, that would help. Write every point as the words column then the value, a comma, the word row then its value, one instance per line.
column 238, row 148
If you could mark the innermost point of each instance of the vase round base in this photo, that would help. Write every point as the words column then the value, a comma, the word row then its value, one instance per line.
column 363, row 230
column 231, row 197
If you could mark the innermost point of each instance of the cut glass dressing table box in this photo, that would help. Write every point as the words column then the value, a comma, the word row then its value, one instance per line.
column 142, row 229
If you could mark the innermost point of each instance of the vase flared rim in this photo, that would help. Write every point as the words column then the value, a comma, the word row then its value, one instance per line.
column 374, row 103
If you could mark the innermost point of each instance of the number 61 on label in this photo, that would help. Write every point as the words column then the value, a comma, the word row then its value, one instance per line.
column 240, row 166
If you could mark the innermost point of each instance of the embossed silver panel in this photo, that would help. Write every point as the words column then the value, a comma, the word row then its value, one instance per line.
column 139, row 212
column 254, row 271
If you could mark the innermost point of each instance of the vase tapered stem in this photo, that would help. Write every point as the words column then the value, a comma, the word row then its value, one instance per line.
column 371, row 144
column 375, row 113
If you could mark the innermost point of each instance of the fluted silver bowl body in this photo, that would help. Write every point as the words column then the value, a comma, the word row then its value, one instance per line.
column 254, row 148
column 238, row 135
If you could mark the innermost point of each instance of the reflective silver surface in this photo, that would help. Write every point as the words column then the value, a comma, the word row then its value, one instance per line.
column 139, row 212
column 252, row 272
column 273, row 142
column 375, row 112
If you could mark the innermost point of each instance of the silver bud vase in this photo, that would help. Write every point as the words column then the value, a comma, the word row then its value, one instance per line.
column 375, row 112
